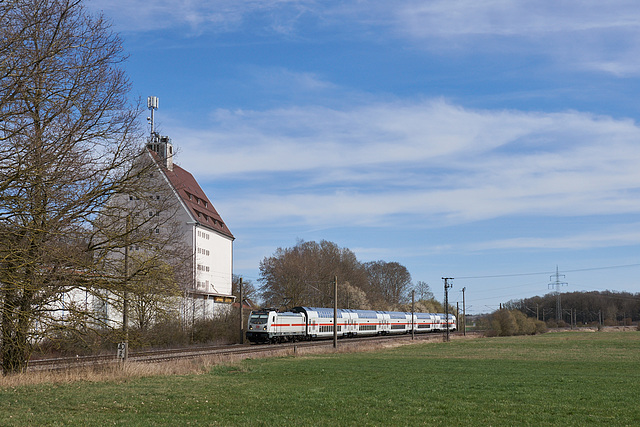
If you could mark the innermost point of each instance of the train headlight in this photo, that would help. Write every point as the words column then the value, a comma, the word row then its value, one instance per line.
column 250, row 327
column 265, row 328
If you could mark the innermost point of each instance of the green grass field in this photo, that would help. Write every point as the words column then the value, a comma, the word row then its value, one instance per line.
column 573, row 378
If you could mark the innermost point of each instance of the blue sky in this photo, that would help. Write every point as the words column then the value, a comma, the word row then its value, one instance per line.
column 462, row 139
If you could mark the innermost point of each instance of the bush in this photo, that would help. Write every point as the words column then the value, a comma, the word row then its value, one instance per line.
column 541, row 327
column 168, row 332
column 514, row 322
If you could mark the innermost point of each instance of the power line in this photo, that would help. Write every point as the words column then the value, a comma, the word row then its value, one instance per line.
column 547, row 272
column 602, row 268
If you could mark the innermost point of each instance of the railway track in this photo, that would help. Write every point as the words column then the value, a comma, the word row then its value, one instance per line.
column 230, row 351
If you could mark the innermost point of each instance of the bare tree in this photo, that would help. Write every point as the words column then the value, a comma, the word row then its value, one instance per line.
column 352, row 297
column 249, row 290
column 304, row 274
column 136, row 242
column 423, row 291
column 69, row 140
column 388, row 283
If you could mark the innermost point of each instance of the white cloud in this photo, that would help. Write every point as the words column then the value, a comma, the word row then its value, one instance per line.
column 583, row 34
column 427, row 162
column 629, row 235
column 523, row 18
column 590, row 34
column 200, row 15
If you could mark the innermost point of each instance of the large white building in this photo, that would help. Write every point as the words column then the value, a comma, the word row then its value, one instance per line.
column 172, row 221
column 203, row 231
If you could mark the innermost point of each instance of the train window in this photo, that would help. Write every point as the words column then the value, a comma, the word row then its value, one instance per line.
column 259, row 318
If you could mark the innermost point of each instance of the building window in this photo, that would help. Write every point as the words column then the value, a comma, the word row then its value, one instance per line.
column 203, row 251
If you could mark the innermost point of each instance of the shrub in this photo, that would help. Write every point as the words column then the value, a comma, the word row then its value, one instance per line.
column 540, row 326
column 514, row 322
column 503, row 323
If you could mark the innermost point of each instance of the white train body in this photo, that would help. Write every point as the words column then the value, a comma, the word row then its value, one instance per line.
column 304, row 323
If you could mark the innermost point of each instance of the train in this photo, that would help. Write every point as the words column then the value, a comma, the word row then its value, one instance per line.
column 310, row 323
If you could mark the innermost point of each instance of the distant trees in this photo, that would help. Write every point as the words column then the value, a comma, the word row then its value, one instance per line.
column 607, row 307
column 68, row 143
column 387, row 283
column 304, row 275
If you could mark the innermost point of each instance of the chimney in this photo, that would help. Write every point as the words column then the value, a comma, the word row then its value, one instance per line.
column 163, row 148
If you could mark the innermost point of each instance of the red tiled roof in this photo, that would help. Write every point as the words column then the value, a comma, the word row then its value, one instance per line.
column 194, row 198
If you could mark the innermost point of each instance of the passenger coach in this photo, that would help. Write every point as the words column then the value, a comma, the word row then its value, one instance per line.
column 305, row 323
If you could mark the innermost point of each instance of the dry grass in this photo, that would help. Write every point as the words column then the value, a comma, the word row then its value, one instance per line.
column 118, row 372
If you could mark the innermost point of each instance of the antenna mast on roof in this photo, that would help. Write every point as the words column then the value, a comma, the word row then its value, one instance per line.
column 152, row 105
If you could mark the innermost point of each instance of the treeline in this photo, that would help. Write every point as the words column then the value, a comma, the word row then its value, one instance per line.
column 608, row 308
column 304, row 275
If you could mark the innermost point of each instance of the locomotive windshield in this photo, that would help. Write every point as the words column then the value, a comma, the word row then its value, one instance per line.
column 259, row 318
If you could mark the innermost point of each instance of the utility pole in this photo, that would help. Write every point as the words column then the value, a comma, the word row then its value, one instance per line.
column 335, row 312
column 241, row 314
column 446, row 302
column 413, row 309
column 557, row 284
column 123, row 350
column 464, row 314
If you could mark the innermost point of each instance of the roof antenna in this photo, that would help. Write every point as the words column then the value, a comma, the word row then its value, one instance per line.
column 152, row 105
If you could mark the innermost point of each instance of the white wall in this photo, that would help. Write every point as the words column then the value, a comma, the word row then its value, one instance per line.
column 213, row 254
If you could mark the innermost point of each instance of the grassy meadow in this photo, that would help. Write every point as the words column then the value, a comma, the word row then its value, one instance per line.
column 569, row 378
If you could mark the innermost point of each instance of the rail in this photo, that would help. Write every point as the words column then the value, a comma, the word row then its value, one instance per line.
column 249, row 350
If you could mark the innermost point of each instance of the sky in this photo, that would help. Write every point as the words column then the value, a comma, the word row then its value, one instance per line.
column 490, row 142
